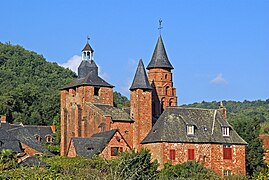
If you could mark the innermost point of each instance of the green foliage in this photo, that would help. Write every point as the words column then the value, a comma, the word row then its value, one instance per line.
column 134, row 165
column 30, row 85
column 8, row 159
column 120, row 100
column 187, row 170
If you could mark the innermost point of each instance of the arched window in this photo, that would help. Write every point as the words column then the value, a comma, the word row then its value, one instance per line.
column 166, row 90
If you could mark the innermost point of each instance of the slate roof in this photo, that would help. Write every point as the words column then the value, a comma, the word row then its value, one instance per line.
column 117, row 114
column 87, row 147
column 140, row 79
column 208, row 123
column 32, row 161
column 91, row 80
column 87, row 47
column 7, row 141
column 159, row 58
column 42, row 131
column 87, row 66
column 24, row 136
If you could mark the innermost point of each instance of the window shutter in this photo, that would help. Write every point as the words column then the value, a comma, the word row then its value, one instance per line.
column 172, row 154
column 190, row 154
column 227, row 153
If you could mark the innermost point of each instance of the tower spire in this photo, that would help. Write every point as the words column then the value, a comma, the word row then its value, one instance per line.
column 140, row 80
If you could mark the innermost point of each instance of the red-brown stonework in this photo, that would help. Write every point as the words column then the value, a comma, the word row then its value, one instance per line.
column 163, row 94
column 211, row 155
column 140, row 106
column 77, row 118
column 116, row 142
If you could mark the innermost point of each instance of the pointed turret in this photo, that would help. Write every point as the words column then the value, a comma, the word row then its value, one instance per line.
column 159, row 58
column 140, row 80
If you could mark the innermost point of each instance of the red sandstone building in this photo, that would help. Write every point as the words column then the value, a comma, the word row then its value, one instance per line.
column 90, row 124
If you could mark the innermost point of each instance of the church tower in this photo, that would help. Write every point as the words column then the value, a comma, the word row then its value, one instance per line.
column 160, row 78
column 140, row 105
column 88, row 88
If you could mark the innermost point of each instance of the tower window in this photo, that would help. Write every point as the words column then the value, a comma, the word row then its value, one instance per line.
column 165, row 76
column 166, row 90
column 96, row 91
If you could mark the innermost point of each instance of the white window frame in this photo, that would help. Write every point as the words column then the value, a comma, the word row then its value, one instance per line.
column 190, row 129
column 226, row 131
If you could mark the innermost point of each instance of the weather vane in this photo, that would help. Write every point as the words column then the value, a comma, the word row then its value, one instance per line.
column 160, row 25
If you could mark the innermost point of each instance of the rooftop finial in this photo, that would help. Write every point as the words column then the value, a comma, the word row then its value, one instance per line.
column 88, row 39
column 160, row 25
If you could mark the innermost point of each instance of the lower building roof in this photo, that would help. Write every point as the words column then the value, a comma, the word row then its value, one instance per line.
column 208, row 123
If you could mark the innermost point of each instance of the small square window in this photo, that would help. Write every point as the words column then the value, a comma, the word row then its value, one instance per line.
column 96, row 91
column 190, row 130
column 225, row 131
column 115, row 151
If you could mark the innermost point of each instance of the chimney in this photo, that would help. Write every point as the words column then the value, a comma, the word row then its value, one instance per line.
column 53, row 128
column 223, row 110
column 3, row 118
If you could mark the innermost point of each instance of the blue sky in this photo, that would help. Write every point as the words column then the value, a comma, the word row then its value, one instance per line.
column 219, row 48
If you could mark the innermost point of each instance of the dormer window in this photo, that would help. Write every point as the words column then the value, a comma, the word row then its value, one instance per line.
column 226, row 131
column 190, row 129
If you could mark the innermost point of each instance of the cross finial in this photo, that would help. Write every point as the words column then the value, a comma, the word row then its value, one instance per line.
column 160, row 25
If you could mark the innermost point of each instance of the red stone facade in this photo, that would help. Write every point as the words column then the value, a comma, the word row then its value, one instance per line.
column 77, row 117
column 211, row 155
column 140, row 107
column 81, row 118
column 164, row 94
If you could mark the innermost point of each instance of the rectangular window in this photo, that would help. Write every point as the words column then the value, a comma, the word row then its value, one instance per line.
column 225, row 131
column 227, row 152
column 172, row 154
column 190, row 154
column 116, row 150
column 227, row 172
column 96, row 91
column 190, row 130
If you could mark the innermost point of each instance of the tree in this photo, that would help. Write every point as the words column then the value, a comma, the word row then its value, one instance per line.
column 134, row 165
column 8, row 159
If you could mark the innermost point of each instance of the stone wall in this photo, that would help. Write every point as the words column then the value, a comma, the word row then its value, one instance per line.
column 211, row 155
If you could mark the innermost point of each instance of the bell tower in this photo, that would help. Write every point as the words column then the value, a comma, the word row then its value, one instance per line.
column 161, row 80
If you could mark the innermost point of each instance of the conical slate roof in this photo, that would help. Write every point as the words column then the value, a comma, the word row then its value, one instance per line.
column 140, row 80
column 160, row 58
column 88, row 48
